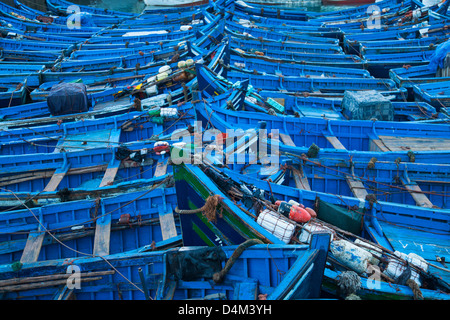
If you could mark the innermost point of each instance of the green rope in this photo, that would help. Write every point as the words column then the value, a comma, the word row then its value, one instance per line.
column 313, row 151
column 412, row 156
column 371, row 163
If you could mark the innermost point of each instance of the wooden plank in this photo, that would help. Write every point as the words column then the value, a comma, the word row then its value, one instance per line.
column 102, row 235
column 110, row 173
column 377, row 145
column 161, row 167
column 167, row 222
column 415, row 143
column 287, row 140
column 301, row 181
column 420, row 198
column 357, row 188
column 32, row 247
column 56, row 178
column 335, row 142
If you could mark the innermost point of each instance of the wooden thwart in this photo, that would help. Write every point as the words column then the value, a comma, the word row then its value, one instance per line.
column 415, row 143
column 102, row 235
column 357, row 188
column 378, row 145
column 167, row 222
column 56, row 178
column 110, row 173
column 335, row 142
column 161, row 168
column 287, row 140
column 301, row 181
column 420, row 198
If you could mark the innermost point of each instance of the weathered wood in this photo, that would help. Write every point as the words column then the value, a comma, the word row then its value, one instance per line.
column 415, row 143
column 32, row 247
column 64, row 293
column 102, row 234
column 56, row 178
column 287, row 140
column 110, row 173
column 420, row 198
column 378, row 145
column 161, row 167
column 167, row 221
column 301, row 181
column 335, row 142
column 357, row 188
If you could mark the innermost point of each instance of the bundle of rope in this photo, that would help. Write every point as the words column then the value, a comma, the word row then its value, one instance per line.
column 348, row 283
column 208, row 209
column 415, row 289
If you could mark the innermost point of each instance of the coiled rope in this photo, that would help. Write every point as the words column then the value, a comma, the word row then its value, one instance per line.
column 348, row 283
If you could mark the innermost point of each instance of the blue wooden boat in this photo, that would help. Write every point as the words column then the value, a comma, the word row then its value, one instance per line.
column 32, row 14
column 266, row 46
column 61, row 7
column 128, row 31
column 320, row 86
column 329, row 86
column 385, row 140
column 312, row 16
column 95, row 163
column 279, row 36
column 329, row 60
column 408, row 76
column 81, row 33
column 317, row 30
column 106, row 103
column 128, row 61
column 19, row 12
column 301, row 106
column 250, row 64
column 38, row 37
column 180, row 17
column 235, row 224
column 99, row 100
column 12, row 92
column 132, row 126
column 434, row 93
column 352, row 40
column 165, row 277
column 421, row 42
column 69, row 230
column 33, row 56
column 33, row 45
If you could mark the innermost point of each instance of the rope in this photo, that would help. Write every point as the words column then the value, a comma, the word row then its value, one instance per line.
column 218, row 276
column 208, row 209
column 415, row 288
column 348, row 283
